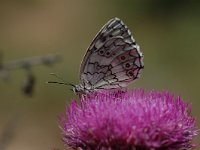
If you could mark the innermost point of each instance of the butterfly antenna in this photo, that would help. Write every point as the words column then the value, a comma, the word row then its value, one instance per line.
column 60, row 78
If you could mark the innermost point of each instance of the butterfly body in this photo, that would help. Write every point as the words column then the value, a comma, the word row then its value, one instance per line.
column 112, row 61
column 80, row 89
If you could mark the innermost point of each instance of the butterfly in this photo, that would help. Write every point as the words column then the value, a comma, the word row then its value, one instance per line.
column 112, row 61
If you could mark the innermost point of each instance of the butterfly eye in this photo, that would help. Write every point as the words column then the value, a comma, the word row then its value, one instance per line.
column 123, row 58
column 130, row 73
column 127, row 65
column 101, row 52
column 108, row 54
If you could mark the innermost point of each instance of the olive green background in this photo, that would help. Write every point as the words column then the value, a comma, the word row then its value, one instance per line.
column 167, row 31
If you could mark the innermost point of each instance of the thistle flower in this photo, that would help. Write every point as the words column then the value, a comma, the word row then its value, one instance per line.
column 135, row 120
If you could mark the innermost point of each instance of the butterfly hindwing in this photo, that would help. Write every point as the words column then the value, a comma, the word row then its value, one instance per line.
column 113, row 59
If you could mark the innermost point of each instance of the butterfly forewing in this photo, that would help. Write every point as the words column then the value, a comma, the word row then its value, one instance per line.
column 113, row 60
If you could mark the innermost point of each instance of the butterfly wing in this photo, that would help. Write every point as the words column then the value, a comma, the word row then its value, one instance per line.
column 113, row 60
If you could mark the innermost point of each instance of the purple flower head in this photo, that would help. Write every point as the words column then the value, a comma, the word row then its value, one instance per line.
column 135, row 120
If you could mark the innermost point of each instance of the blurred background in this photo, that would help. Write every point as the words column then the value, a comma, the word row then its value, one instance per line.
column 167, row 31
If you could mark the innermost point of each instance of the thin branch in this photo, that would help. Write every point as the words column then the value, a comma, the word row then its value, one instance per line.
column 32, row 61
column 26, row 64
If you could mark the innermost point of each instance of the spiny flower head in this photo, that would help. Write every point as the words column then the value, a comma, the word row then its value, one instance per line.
column 134, row 120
